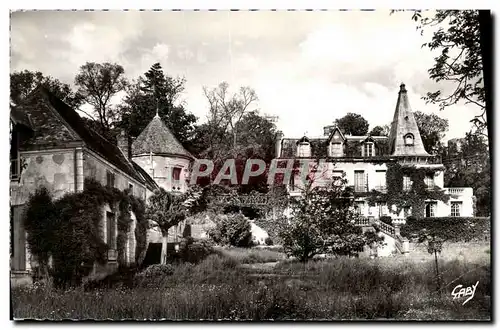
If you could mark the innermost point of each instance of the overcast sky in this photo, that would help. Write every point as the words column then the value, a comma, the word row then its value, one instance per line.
column 308, row 68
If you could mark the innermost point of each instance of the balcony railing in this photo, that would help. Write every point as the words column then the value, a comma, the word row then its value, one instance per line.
column 458, row 191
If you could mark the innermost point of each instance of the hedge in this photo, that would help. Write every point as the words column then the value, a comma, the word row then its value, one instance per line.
column 455, row 229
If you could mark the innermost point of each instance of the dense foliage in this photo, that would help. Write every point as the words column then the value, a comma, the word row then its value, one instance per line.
column 323, row 221
column 231, row 229
column 413, row 198
column 194, row 251
column 450, row 229
column 432, row 129
column 353, row 124
column 68, row 231
column 463, row 58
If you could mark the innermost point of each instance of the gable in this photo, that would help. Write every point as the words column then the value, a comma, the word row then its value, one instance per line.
column 336, row 136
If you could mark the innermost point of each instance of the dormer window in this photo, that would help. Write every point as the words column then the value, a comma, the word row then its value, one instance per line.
column 303, row 147
column 368, row 149
column 409, row 139
column 336, row 149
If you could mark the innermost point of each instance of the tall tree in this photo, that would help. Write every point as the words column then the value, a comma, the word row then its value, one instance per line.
column 226, row 110
column 353, row 124
column 157, row 91
column 22, row 83
column 98, row 83
column 432, row 130
column 165, row 211
column 463, row 42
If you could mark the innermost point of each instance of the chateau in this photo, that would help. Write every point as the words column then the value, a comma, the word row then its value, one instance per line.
column 365, row 161
column 52, row 147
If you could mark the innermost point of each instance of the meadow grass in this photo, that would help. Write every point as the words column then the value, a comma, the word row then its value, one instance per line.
column 251, row 255
column 334, row 289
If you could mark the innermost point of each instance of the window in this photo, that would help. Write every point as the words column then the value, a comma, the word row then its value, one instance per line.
column 368, row 149
column 292, row 182
column 304, row 149
column 429, row 181
column 380, row 180
column 430, row 209
column 456, row 208
column 409, row 139
column 131, row 188
column 382, row 209
column 176, row 173
column 359, row 181
column 110, row 179
column 336, row 149
column 406, row 183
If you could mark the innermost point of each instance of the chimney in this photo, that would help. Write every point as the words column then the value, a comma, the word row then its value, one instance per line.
column 123, row 143
column 279, row 138
column 328, row 129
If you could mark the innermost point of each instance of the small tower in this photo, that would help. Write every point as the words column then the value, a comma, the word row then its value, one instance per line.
column 404, row 138
column 162, row 156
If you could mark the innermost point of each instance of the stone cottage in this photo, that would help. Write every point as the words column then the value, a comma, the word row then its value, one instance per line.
column 51, row 146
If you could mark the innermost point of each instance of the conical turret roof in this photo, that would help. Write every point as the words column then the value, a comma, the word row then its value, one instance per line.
column 405, row 139
column 156, row 138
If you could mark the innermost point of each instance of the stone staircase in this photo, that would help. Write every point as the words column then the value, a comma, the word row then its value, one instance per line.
column 393, row 239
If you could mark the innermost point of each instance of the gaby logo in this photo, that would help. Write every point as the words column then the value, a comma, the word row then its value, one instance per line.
column 460, row 291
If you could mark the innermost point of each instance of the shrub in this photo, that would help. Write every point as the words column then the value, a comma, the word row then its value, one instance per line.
column 158, row 270
column 232, row 229
column 268, row 241
column 194, row 251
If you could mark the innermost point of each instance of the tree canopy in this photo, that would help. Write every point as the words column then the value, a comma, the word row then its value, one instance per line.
column 353, row 124
column 462, row 45
column 157, row 91
column 432, row 130
column 22, row 83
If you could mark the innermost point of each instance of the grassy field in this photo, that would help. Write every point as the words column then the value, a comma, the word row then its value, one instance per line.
column 219, row 288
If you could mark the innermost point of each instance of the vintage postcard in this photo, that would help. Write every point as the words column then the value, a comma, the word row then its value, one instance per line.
column 250, row 165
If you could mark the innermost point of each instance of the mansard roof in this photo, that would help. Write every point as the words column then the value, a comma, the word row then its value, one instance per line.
column 403, row 123
column 319, row 146
column 156, row 138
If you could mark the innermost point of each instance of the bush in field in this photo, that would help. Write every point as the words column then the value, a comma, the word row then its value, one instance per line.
column 323, row 221
column 232, row 229
column 159, row 270
column 268, row 241
column 194, row 251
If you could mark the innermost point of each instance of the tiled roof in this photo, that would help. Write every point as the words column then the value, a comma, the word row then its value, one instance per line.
column 49, row 128
column 157, row 139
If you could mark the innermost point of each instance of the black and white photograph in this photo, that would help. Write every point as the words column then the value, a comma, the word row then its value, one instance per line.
column 250, row 165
